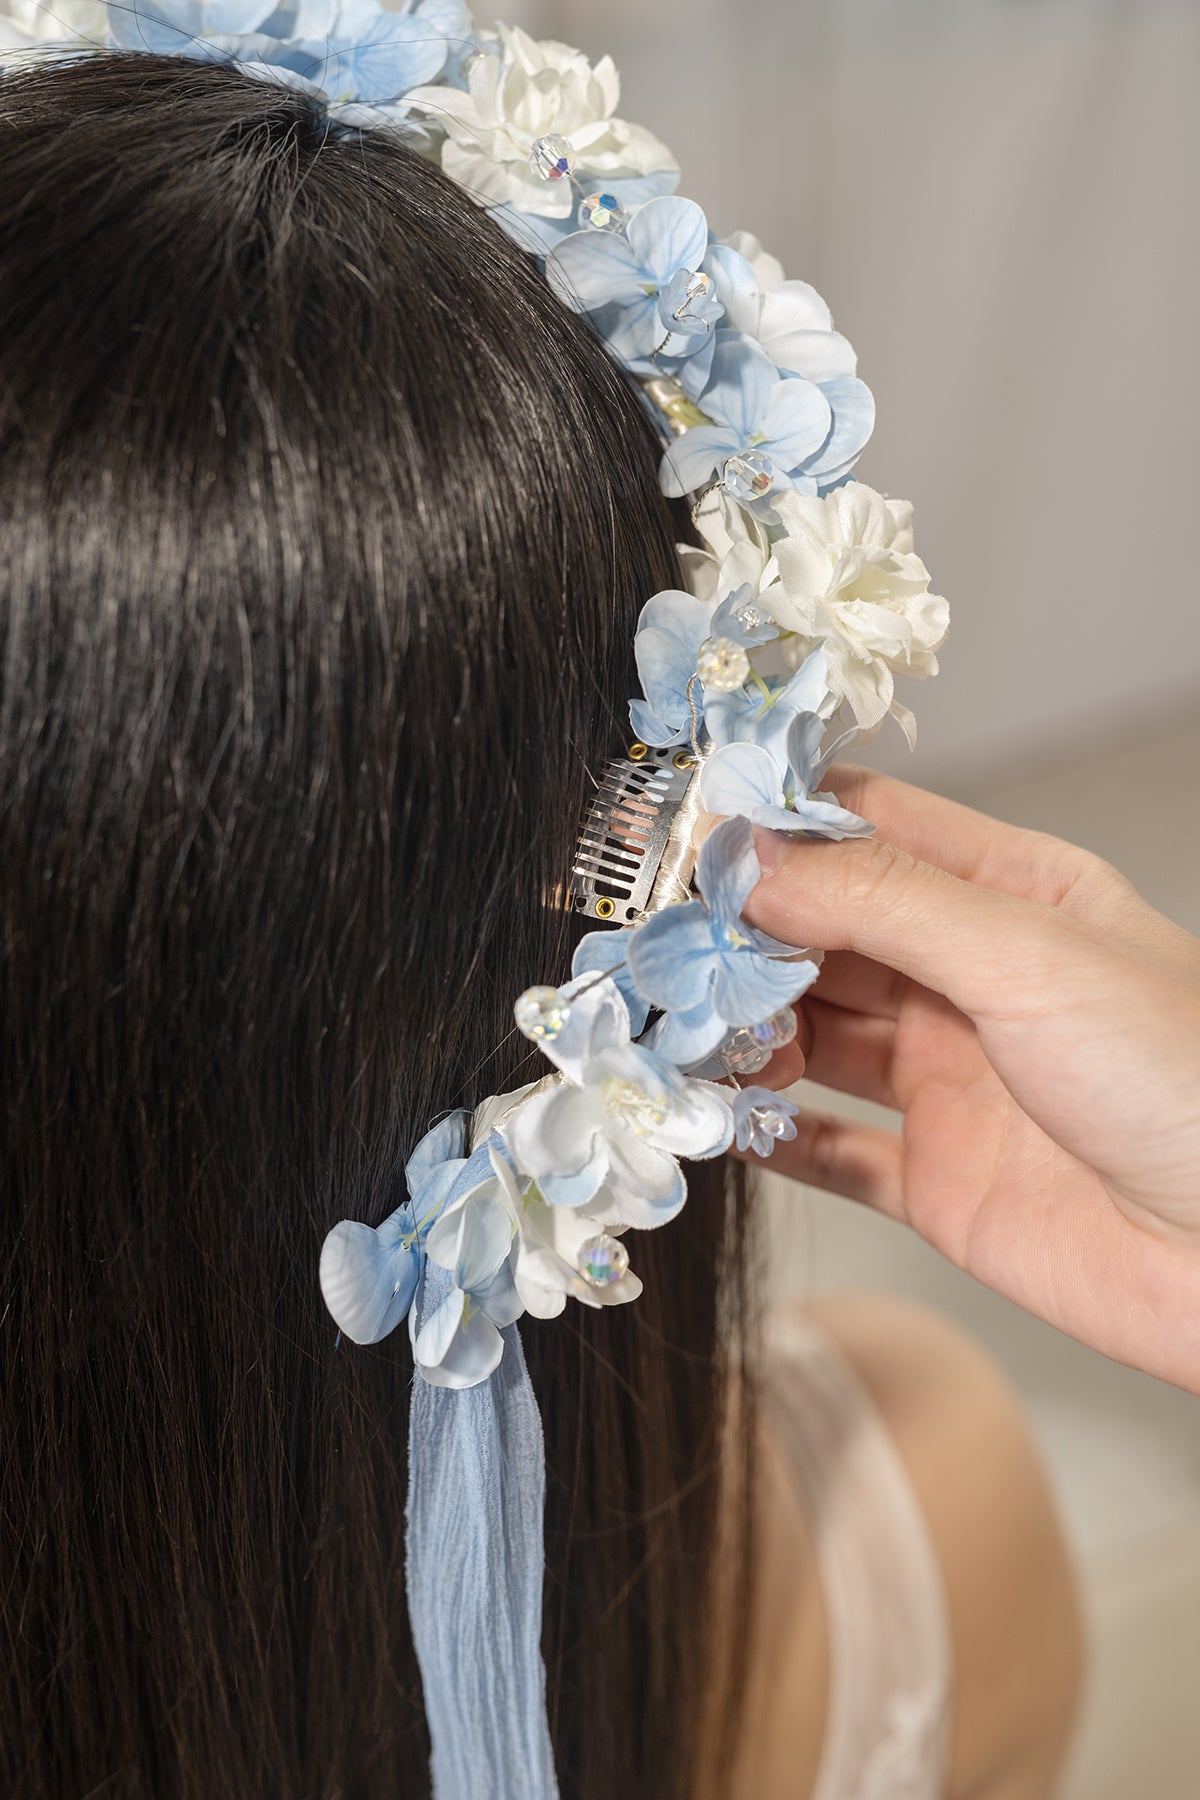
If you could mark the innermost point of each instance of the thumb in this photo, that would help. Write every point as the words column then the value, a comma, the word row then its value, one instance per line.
column 981, row 949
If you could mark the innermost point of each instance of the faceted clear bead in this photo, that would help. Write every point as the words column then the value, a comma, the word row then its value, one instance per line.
column 742, row 1055
column 769, row 1119
column 776, row 1031
column 541, row 1013
column 749, row 475
column 553, row 157
column 749, row 616
column 603, row 1260
column 696, row 291
column 722, row 664
column 602, row 212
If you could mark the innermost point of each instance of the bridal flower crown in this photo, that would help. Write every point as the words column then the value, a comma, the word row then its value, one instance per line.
column 803, row 603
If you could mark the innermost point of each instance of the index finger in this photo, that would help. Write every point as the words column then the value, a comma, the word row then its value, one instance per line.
column 984, row 851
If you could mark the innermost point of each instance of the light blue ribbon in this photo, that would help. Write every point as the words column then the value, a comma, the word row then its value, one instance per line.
column 475, row 1558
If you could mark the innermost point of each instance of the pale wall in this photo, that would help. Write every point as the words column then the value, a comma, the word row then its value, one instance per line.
column 998, row 198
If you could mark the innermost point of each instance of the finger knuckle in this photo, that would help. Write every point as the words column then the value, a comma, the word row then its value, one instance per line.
column 872, row 871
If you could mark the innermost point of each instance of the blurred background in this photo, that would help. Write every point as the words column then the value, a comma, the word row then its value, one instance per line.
column 999, row 200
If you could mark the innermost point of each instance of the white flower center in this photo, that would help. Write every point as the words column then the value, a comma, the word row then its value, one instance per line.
column 637, row 1110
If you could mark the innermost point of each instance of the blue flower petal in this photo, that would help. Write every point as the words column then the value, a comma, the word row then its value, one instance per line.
column 599, row 953
column 443, row 1143
column 795, row 421
column 457, row 1351
column 666, row 235
column 369, row 1277
column 804, row 737
column 740, row 388
column 727, row 872
column 592, row 268
column 671, row 628
column 740, row 778
column 479, row 1235
column 672, row 956
column 745, row 716
column 853, row 407
column 650, row 729
column 821, row 816
column 167, row 26
column 688, row 1038
column 725, row 622
column 695, row 457
column 749, row 988
column 733, row 276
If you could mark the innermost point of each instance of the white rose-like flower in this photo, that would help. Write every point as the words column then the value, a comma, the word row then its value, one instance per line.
column 527, row 91
column 850, row 579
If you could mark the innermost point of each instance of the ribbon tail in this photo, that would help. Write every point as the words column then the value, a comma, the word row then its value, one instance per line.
column 475, row 1561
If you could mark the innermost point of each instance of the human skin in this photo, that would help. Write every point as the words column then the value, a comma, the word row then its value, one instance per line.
column 1037, row 1024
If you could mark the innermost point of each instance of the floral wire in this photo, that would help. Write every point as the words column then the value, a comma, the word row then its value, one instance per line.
column 697, row 723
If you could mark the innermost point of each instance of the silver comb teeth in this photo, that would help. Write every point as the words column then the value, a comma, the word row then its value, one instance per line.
column 634, row 854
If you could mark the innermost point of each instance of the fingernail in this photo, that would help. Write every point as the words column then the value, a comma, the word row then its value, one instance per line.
column 772, row 847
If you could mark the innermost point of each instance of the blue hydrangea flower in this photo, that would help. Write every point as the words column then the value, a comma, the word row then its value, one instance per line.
column 746, row 779
column 624, row 277
column 755, row 1111
column 671, row 628
column 354, row 56
column 763, row 713
column 604, row 953
column 369, row 1277
column 167, row 26
column 754, row 407
column 853, row 407
column 540, row 234
column 704, row 965
column 726, row 623
column 476, row 1241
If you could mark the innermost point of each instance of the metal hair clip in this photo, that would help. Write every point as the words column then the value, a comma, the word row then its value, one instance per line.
column 635, row 851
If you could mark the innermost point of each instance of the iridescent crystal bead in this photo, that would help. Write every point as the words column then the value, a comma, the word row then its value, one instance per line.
column 749, row 475
column 696, row 291
column 776, row 1031
column 743, row 1055
column 641, row 1112
column 722, row 664
column 602, row 212
column 553, row 157
column 750, row 617
column 541, row 1013
column 769, row 1119
column 602, row 1260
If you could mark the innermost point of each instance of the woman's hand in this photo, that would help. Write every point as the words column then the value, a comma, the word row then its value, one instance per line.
column 1038, row 1025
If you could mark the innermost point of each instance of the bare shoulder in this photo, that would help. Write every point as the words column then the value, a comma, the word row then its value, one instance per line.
column 963, row 1438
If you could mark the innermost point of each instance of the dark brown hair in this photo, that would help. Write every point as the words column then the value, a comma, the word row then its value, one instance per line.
column 324, row 532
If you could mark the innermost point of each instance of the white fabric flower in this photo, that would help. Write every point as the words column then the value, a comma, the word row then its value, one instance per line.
column 459, row 1343
column 788, row 318
column 607, row 1139
column 850, row 579
column 527, row 91
column 738, row 551
column 550, row 1241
